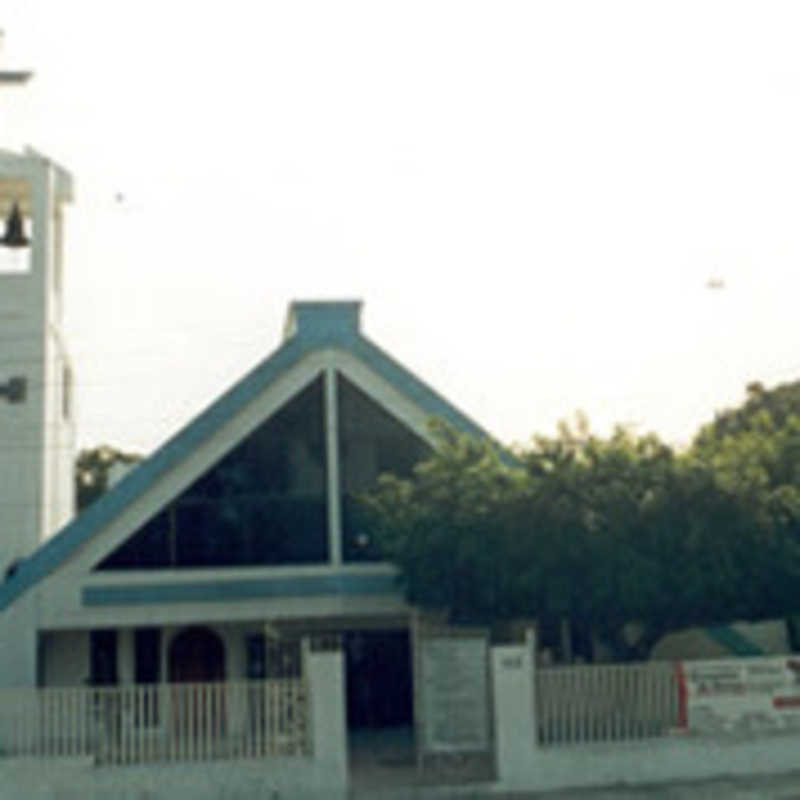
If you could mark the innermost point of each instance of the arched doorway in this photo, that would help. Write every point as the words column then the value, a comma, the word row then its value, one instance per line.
column 197, row 660
column 196, row 655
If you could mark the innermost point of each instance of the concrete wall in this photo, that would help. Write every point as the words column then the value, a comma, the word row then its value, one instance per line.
column 322, row 775
column 656, row 761
column 36, row 494
column 66, row 653
column 523, row 765
column 18, row 643
column 65, row 657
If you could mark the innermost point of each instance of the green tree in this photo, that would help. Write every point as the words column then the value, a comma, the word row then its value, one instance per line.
column 447, row 528
column 92, row 469
column 754, row 452
column 620, row 536
column 645, row 536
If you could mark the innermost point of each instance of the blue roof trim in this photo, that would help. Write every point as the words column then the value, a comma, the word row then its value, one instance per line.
column 333, row 325
column 220, row 591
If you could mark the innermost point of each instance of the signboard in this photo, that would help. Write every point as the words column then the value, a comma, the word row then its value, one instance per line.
column 741, row 695
column 455, row 711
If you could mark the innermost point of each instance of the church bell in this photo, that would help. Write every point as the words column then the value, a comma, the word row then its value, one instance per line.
column 15, row 234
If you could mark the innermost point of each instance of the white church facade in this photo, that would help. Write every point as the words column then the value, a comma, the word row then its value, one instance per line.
column 243, row 523
column 241, row 527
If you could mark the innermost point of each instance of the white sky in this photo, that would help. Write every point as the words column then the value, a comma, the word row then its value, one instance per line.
column 529, row 197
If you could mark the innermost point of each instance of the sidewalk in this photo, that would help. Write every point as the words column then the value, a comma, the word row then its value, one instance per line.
column 778, row 787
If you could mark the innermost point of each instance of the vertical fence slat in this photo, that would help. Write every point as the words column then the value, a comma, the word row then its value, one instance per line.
column 607, row 702
column 201, row 721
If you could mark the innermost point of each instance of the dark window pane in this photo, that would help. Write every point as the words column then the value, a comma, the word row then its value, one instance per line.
column 256, row 657
column 146, row 549
column 147, row 651
column 263, row 503
column 371, row 442
column 103, row 657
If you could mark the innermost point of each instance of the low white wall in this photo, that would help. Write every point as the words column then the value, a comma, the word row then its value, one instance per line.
column 522, row 765
column 655, row 761
column 273, row 779
column 323, row 774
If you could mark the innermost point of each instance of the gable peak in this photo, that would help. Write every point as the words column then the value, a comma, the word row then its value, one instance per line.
column 322, row 318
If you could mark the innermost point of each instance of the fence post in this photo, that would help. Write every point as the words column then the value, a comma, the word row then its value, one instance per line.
column 514, row 699
column 328, row 724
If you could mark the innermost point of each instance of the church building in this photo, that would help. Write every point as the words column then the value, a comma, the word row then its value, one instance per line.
column 243, row 523
column 241, row 531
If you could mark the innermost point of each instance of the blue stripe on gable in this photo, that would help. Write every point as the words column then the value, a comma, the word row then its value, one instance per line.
column 222, row 591
column 306, row 341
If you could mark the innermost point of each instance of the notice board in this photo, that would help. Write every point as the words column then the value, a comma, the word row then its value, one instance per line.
column 455, row 695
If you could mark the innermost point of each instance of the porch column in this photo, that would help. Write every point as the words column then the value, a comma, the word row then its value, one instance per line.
column 328, row 725
column 18, row 631
column 332, row 462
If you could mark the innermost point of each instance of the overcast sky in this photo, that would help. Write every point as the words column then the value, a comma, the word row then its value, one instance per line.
column 529, row 197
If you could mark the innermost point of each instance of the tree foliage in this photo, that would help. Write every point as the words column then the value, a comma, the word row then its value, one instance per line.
column 93, row 468
column 621, row 536
column 755, row 451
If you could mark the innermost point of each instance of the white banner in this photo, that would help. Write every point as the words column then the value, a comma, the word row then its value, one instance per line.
column 741, row 695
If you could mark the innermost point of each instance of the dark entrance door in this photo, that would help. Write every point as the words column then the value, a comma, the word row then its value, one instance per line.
column 197, row 655
column 379, row 682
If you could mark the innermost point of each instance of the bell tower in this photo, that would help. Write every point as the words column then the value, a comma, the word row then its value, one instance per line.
column 36, row 392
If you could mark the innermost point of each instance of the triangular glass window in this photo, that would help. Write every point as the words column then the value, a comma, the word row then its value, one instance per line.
column 371, row 442
column 263, row 504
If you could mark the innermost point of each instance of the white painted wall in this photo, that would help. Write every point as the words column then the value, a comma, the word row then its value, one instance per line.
column 18, row 643
column 36, row 495
column 59, row 605
column 321, row 775
column 328, row 714
column 523, row 765
column 66, row 658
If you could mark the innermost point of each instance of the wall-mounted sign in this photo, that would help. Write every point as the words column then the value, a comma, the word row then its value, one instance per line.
column 455, row 695
column 741, row 695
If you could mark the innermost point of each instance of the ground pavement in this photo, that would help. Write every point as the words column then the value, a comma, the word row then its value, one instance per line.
column 783, row 787
column 383, row 767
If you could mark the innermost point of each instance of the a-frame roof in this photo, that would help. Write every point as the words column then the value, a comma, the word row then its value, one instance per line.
column 311, row 326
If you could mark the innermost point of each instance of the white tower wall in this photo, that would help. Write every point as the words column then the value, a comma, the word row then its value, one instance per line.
column 37, row 434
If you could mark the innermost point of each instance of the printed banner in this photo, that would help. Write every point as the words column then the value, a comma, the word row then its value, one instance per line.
column 740, row 695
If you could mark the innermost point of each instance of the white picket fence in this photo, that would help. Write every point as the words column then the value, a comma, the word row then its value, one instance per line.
column 605, row 702
column 169, row 722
